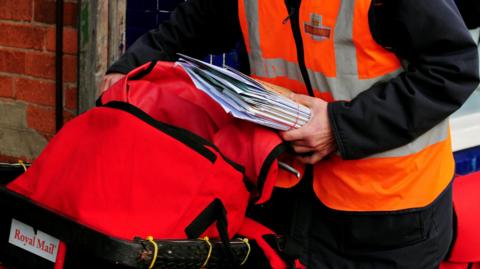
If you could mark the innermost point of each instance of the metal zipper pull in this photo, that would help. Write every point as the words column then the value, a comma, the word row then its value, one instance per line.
column 289, row 169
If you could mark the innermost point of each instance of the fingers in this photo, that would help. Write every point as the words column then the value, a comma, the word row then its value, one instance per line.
column 315, row 104
column 292, row 135
column 303, row 99
column 316, row 156
column 103, row 86
column 109, row 80
column 309, row 141
column 302, row 149
column 310, row 155
column 311, row 159
column 315, row 137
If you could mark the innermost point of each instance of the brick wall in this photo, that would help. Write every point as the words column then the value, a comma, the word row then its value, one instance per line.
column 27, row 74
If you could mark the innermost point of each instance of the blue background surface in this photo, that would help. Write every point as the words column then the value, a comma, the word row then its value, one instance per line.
column 467, row 160
column 144, row 15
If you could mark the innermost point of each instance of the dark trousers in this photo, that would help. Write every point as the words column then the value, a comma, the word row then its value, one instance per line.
column 410, row 239
column 324, row 238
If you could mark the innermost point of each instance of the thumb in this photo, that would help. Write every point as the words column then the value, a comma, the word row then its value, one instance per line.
column 303, row 99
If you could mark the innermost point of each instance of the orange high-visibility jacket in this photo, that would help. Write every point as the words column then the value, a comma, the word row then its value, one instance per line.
column 387, row 116
column 341, row 60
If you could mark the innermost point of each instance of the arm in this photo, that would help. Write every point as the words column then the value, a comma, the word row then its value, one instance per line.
column 442, row 72
column 470, row 10
column 196, row 28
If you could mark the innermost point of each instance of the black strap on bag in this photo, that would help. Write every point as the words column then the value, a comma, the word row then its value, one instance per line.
column 215, row 211
column 86, row 246
column 10, row 171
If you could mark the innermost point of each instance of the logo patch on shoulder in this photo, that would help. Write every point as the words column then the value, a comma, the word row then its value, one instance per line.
column 315, row 28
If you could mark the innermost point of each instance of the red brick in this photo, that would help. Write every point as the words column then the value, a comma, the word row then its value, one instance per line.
column 6, row 87
column 40, row 65
column 70, row 14
column 45, row 11
column 22, row 36
column 71, row 98
column 70, row 39
column 41, row 119
column 35, row 91
column 12, row 61
column 69, row 68
column 16, row 10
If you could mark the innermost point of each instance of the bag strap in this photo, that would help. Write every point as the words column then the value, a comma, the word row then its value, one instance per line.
column 215, row 211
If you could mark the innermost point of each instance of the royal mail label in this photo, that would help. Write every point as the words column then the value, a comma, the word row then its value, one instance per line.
column 38, row 243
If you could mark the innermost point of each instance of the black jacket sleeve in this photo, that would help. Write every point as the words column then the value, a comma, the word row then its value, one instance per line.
column 441, row 73
column 195, row 28
column 470, row 10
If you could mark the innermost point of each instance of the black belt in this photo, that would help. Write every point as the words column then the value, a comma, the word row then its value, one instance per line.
column 136, row 253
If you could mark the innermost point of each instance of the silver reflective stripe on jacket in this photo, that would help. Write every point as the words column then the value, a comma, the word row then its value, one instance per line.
column 346, row 85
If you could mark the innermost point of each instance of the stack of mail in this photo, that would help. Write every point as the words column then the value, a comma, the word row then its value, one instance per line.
column 244, row 97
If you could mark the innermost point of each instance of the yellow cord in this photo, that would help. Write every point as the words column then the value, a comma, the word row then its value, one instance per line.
column 245, row 240
column 155, row 251
column 23, row 165
column 205, row 263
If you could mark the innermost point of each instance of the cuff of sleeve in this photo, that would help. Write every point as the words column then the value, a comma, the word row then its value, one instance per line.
column 119, row 69
column 337, row 133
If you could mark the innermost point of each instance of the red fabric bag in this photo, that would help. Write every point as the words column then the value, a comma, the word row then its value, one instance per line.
column 465, row 251
column 165, row 92
column 147, row 161
column 112, row 170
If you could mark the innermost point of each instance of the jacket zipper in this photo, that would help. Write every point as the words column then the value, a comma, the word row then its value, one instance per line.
column 294, row 10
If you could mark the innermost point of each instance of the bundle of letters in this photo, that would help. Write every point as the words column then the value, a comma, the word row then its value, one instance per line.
column 246, row 98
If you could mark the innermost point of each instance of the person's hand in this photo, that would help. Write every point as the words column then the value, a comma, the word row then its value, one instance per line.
column 109, row 80
column 314, row 140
